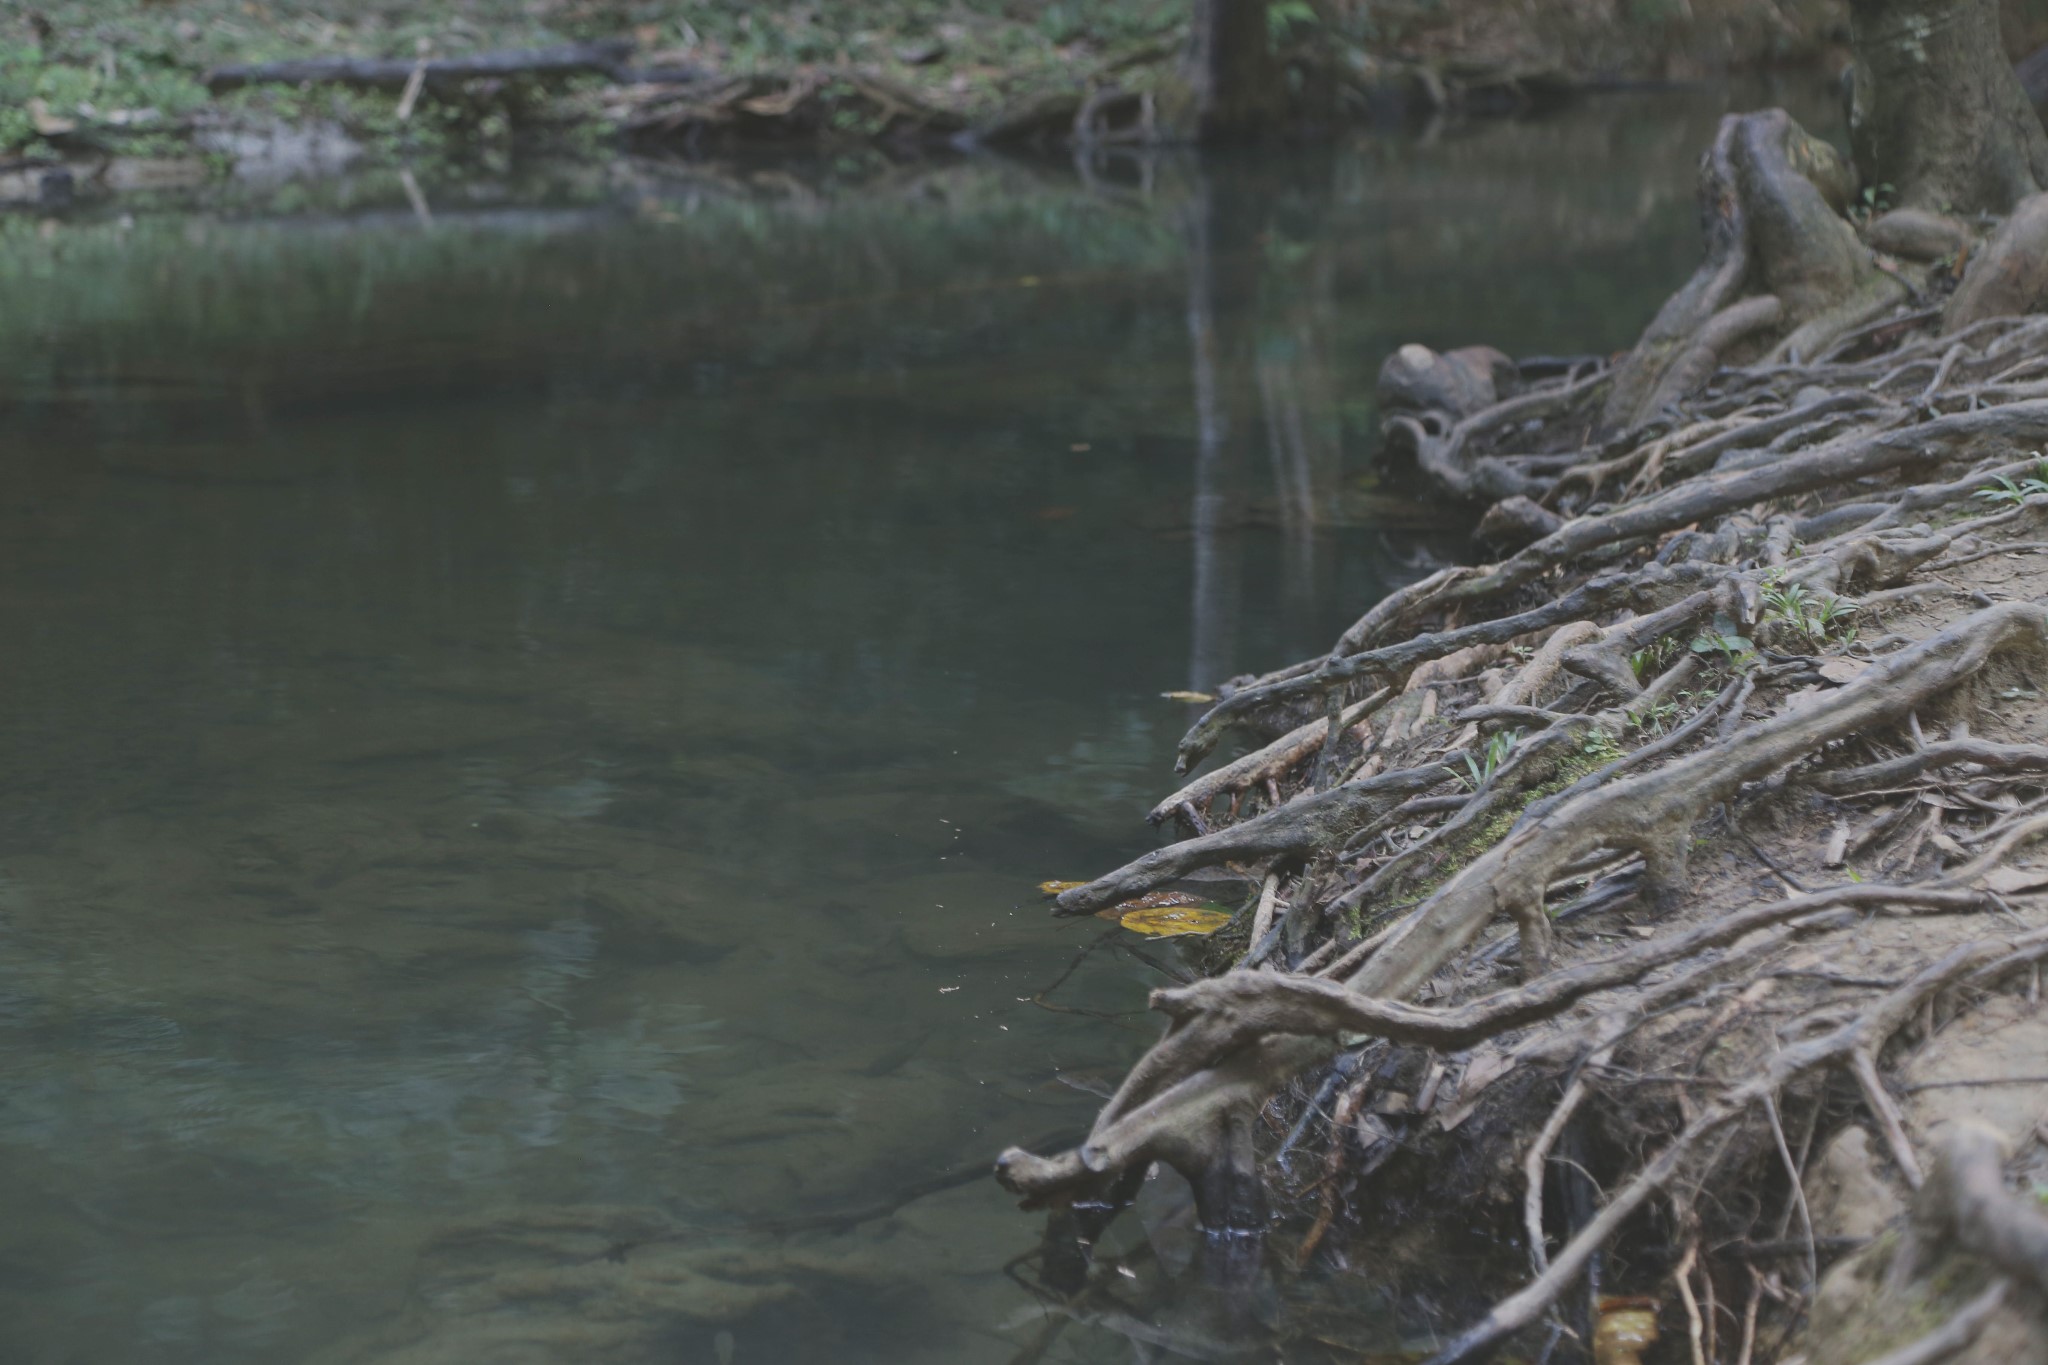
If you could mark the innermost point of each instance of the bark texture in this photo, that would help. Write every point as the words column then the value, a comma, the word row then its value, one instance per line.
column 2010, row 275
column 1936, row 110
column 1781, row 262
column 1230, row 68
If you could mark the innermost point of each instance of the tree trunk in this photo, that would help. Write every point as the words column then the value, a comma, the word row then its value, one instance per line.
column 1230, row 67
column 1936, row 111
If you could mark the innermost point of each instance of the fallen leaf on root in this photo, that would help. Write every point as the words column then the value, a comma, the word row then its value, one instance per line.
column 1162, row 914
column 1171, row 921
column 1627, row 1328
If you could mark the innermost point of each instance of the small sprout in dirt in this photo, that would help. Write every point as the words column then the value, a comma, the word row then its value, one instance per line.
column 1785, row 601
column 1655, row 717
column 1792, row 607
column 1735, row 650
column 1647, row 661
column 1601, row 747
column 1832, row 615
column 1479, row 772
column 2006, row 489
column 1876, row 199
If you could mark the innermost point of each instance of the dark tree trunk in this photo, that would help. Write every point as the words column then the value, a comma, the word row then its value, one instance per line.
column 1236, row 82
column 1935, row 109
column 1223, row 280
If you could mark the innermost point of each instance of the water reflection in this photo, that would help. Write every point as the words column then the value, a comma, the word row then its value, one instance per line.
column 530, row 736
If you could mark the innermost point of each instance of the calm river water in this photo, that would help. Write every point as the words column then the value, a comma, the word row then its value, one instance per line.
column 531, row 730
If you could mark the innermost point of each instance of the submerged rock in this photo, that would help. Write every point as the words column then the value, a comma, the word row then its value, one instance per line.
column 1459, row 382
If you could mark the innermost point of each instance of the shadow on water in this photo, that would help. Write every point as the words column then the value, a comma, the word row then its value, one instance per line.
column 533, row 719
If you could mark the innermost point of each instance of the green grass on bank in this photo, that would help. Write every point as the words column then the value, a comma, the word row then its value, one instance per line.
column 126, row 76
column 130, row 69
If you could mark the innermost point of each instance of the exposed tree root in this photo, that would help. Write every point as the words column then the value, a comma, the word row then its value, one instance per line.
column 1520, row 762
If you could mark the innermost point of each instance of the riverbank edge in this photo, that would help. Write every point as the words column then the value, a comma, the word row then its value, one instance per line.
column 266, row 130
column 1688, row 736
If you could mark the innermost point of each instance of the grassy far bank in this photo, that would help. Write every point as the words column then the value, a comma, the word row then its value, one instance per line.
column 132, row 72
column 85, row 79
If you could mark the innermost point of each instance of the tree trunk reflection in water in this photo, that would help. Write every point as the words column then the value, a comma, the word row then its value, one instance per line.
column 1303, row 437
column 1244, row 382
column 1218, row 256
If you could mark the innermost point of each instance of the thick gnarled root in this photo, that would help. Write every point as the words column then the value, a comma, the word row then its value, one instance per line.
column 1520, row 745
column 1764, row 666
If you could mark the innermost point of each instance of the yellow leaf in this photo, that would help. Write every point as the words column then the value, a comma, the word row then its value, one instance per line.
column 1198, row 697
column 1627, row 1328
column 1171, row 921
column 1054, row 888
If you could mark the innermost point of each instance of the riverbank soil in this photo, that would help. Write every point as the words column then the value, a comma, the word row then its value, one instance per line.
column 119, row 95
column 1662, row 891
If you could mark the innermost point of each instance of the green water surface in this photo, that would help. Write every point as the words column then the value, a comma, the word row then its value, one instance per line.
column 530, row 730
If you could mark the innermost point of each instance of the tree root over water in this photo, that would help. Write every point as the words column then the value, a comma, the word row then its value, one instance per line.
column 1691, row 716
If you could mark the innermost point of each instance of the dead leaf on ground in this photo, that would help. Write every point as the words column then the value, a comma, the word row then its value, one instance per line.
column 1054, row 888
column 2009, row 880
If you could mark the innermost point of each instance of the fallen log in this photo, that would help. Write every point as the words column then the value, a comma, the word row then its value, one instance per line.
column 611, row 58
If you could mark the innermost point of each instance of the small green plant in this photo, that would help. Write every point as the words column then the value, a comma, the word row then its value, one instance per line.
column 1736, row 651
column 1832, row 615
column 1601, row 748
column 1792, row 609
column 1644, row 662
column 2005, row 489
column 1654, row 717
column 1479, row 771
column 1877, row 199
